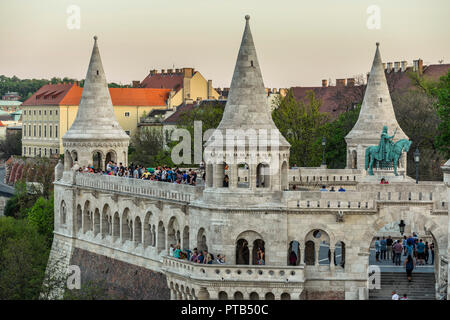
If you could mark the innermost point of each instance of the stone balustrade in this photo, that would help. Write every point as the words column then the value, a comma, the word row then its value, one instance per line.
column 317, row 175
column 156, row 189
column 225, row 272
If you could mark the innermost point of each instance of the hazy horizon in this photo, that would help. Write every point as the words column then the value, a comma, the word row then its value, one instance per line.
column 299, row 43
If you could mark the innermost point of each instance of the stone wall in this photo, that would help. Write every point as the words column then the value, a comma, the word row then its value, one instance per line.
column 124, row 280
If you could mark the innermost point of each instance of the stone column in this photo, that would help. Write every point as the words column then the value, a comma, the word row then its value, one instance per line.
column 302, row 253
column 252, row 176
column 233, row 176
column 173, row 295
column 209, row 175
column 218, row 175
column 332, row 266
column 316, row 257
column 250, row 253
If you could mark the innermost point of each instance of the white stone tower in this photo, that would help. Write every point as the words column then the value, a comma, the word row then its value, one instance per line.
column 246, row 139
column 376, row 112
column 95, row 136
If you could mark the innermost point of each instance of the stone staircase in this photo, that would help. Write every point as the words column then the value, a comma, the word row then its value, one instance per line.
column 422, row 286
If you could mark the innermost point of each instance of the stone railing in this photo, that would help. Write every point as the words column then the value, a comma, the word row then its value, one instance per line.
column 319, row 176
column 224, row 272
column 328, row 200
column 156, row 189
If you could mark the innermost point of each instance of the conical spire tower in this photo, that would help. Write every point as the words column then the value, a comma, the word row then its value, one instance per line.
column 376, row 112
column 96, row 133
column 247, row 140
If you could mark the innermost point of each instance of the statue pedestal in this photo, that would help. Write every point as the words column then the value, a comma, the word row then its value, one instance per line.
column 388, row 175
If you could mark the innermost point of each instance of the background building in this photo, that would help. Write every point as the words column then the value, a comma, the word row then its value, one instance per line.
column 50, row 112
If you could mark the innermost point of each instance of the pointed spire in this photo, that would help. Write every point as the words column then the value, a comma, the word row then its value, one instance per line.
column 376, row 110
column 247, row 104
column 95, row 118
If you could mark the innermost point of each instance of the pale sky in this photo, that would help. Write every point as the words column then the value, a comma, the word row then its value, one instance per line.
column 298, row 42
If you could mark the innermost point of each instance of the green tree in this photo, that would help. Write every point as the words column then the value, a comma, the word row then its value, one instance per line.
column 11, row 145
column 442, row 93
column 335, row 132
column 302, row 125
column 41, row 216
column 24, row 254
column 147, row 147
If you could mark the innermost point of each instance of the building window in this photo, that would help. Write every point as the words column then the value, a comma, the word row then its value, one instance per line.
column 34, row 133
column 24, row 150
column 34, row 151
column 56, row 151
column 50, row 112
column 127, row 114
column 40, row 131
column 45, row 131
column 45, row 151
column 24, row 132
column 50, row 150
column 29, row 150
column 24, row 112
column 40, row 154
column 56, row 112
column 34, row 112
column 56, row 131
column 50, row 131
column 45, row 112
column 29, row 131
column 39, row 112
column 127, row 132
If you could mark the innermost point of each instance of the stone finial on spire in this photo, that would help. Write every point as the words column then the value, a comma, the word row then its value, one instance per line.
column 378, row 44
column 247, row 17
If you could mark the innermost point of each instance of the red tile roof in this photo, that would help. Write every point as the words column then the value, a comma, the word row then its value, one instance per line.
column 70, row 95
column 166, row 81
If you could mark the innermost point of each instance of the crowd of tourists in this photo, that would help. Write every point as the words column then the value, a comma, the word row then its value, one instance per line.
column 196, row 256
column 324, row 188
column 159, row 173
column 416, row 251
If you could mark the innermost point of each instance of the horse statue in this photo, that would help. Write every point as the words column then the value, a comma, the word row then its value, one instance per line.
column 372, row 154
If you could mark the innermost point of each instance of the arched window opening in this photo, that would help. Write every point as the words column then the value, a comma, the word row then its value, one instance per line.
column 223, row 295
column 354, row 160
column 270, row 296
column 62, row 212
column 185, row 238
column 116, row 226
column 258, row 255
column 294, row 253
column 79, row 218
column 137, row 231
column 201, row 240
column 254, row 296
column 310, row 253
column 339, row 254
column 238, row 295
column 106, row 226
column 96, row 222
column 243, row 174
column 285, row 296
column 242, row 252
column 161, row 237
column 127, row 226
column 97, row 160
column 87, row 220
column 262, row 176
column 148, row 237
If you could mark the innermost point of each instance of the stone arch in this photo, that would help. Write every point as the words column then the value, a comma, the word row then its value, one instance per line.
column 238, row 296
column 254, row 296
column 263, row 175
column 258, row 244
column 202, row 243
column 222, row 295
column 148, row 236
column 106, row 225
column 310, row 253
column 339, row 258
column 79, row 218
column 127, row 226
column 116, row 226
column 242, row 252
column 110, row 156
column 173, row 231
column 137, row 230
column 284, row 176
column 285, row 296
column 294, row 254
column 161, row 237
column 97, row 159
column 74, row 155
column 87, row 217
column 322, row 244
column 269, row 296
column 62, row 213
column 96, row 222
